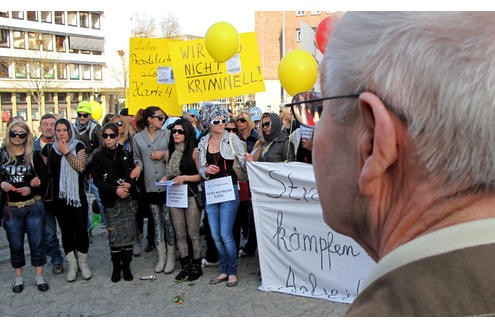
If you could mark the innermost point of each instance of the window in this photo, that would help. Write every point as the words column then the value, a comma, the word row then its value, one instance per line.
column 86, row 52
column 48, row 71
column 34, row 41
column 18, row 14
column 97, row 53
column 300, row 13
column 61, row 71
column 60, row 17
column 86, row 71
column 47, row 42
column 4, row 69
column 316, row 12
column 72, row 18
column 34, row 70
column 19, row 40
column 32, row 16
column 4, row 38
column 95, row 21
column 4, row 14
column 46, row 16
column 298, row 35
column 84, row 19
column 60, row 43
column 74, row 71
column 97, row 72
column 20, row 71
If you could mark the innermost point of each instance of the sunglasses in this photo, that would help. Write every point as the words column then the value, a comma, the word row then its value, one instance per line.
column 159, row 117
column 307, row 106
column 82, row 115
column 119, row 123
column 218, row 122
column 109, row 135
column 14, row 134
column 265, row 125
column 242, row 120
column 179, row 131
column 231, row 130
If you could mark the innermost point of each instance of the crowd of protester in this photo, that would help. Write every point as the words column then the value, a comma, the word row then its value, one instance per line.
column 125, row 164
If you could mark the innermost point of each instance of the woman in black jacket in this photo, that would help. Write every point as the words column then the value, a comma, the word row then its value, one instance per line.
column 111, row 167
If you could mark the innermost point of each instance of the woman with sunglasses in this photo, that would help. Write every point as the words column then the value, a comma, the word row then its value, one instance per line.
column 111, row 169
column 23, row 209
column 182, row 168
column 275, row 145
column 68, row 163
column 216, row 160
column 149, row 147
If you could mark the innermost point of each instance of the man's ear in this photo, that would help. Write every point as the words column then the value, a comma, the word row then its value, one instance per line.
column 378, row 142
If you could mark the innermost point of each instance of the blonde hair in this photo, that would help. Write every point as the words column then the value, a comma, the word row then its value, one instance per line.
column 28, row 144
column 247, row 115
column 128, row 130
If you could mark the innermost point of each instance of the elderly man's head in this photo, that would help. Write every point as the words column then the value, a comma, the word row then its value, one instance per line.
column 424, row 116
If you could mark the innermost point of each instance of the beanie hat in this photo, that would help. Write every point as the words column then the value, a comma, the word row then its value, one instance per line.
column 84, row 106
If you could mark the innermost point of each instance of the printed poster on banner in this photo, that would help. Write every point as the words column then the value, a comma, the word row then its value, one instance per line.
column 299, row 254
column 199, row 77
column 151, row 77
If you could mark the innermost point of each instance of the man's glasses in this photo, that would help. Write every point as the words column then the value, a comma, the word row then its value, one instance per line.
column 159, row 117
column 265, row 125
column 14, row 134
column 307, row 106
column 85, row 115
column 231, row 130
column 179, row 131
column 218, row 122
column 242, row 120
column 109, row 135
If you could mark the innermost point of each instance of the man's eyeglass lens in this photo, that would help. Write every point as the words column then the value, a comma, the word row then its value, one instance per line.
column 82, row 115
column 307, row 106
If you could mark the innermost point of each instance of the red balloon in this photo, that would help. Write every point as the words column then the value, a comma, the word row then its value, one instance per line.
column 323, row 33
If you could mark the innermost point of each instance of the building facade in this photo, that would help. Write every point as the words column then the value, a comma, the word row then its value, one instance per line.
column 52, row 60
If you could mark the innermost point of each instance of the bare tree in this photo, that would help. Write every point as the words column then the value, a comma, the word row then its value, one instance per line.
column 146, row 26
column 170, row 27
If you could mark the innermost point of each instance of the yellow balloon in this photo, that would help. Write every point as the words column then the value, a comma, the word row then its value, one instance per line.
column 222, row 41
column 297, row 71
column 96, row 110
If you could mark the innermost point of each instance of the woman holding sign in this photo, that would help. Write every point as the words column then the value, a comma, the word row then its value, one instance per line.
column 111, row 167
column 216, row 160
column 182, row 169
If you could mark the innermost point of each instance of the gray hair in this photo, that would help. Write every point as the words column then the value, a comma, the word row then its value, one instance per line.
column 436, row 71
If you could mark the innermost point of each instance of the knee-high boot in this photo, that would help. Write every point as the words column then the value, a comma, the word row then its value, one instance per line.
column 196, row 270
column 72, row 270
column 170, row 266
column 161, row 250
column 185, row 268
column 126, row 263
column 82, row 262
column 116, row 256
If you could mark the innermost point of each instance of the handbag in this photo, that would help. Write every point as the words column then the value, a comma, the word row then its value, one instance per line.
column 244, row 191
column 199, row 196
column 240, row 172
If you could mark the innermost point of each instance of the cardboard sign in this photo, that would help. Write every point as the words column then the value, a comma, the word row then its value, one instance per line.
column 177, row 196
column 151, row 79
column 219, row 190
column 199, row 77
column 299, row 254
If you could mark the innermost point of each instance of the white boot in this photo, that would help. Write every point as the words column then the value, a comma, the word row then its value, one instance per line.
column 160, row 248
column 170, row 267
column 82, row 261
column 72, row 270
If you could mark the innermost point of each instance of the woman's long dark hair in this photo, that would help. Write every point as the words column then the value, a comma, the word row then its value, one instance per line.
column 148, row 112
column 190, row 143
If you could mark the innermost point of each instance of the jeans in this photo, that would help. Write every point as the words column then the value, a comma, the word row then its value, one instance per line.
column 18, row 221
column 221, row 217
column 51, row 244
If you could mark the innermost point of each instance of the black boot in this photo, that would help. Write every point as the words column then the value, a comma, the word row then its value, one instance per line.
column 185, row 268
column 126, row 263
column 116, row 258
column 196, row 270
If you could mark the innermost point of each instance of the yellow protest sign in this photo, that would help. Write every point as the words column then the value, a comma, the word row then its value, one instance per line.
column 151, row 78
column 199, row 77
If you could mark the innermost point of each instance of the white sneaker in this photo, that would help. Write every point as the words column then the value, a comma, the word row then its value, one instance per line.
column 205, row 263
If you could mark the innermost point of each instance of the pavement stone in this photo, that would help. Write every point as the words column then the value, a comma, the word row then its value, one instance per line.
column 100, row 297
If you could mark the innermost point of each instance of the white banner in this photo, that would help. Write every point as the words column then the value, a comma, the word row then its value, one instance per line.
column 177, row 196
column 299, row 254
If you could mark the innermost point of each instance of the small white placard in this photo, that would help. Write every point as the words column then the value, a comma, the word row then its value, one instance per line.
column 165, row 75
column 234, row 64
column 164, row 183
column 219, row 190
column 306, row 133
column 177, row 196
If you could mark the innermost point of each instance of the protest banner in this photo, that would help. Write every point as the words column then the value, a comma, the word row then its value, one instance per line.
column 199, row 77
column 299, row 254
column 151, row 78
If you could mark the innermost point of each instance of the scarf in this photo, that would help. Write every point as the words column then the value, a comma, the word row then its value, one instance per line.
column 69, row 177
column 173, row 165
